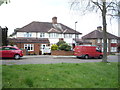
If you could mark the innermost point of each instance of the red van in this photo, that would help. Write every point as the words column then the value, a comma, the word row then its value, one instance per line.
column 88, row 52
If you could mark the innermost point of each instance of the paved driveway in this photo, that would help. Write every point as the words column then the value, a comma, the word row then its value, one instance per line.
column 47, row 59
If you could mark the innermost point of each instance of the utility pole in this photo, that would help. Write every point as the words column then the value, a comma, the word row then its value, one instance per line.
column 75, row 31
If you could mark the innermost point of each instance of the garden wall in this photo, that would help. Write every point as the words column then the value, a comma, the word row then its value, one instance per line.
column 61, row 52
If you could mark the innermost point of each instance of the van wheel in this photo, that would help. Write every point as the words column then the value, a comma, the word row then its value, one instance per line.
column 100, row 57
column 86, row 56
column 17, row 56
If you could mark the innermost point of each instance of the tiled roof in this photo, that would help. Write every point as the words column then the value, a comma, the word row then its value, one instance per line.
column 98, row 34
column 28, row 40
column 46, row 27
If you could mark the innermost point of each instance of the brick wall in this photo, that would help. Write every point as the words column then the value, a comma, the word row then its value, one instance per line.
column 61, row 52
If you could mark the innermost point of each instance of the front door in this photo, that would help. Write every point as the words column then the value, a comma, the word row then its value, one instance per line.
column 42, row 48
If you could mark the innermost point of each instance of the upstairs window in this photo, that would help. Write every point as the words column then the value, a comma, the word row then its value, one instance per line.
column 113, row 40
column 68, row 35
column 77, row 36
column 99, row 40
column 42, row 35
column 28, row 34
column 53, row 35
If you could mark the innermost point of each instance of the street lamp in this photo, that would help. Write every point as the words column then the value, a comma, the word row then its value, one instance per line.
column 75, row 31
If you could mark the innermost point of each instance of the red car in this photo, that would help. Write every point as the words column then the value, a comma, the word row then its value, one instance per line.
column 11, row 52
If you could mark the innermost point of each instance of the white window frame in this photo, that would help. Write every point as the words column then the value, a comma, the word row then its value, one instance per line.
column 42, row 35
column 113, row 40
column 77, row 36
column 26, row 46
column 53, row 35
column 99, row 40
column 28, row 34
column 113, row 49
column 68, row 35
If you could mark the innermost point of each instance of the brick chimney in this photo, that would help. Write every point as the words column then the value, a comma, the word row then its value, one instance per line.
column 99, row 28
column 54, row 20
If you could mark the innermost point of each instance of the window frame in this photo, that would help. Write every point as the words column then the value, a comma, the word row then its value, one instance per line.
column 28, row 34
column 113, row 49
column 42, row 35
column 29, row 47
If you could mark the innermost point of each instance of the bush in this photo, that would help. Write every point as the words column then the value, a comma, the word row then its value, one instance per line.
column 54, row 47
column 65, row 47
column 60, row 42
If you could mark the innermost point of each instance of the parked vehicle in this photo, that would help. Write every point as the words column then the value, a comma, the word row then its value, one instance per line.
column 88, row 52
column 10, row 52
column 47, row 50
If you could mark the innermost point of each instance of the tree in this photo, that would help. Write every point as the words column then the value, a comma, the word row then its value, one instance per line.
column 60, row 42
column 65, row 47
column 4, row 1
column 106, row 7
column 4, row 36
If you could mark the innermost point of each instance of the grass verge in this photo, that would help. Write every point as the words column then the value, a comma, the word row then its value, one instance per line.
column 64, row 75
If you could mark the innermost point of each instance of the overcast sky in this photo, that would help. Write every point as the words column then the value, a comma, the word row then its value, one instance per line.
column 19, row 13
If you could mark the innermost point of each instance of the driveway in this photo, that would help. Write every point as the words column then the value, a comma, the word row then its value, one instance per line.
column 48, row 59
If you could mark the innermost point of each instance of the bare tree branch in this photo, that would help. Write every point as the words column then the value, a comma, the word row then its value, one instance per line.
column 96, row 3
column 109, row 5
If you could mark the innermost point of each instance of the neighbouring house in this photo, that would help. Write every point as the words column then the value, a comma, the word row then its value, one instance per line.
column 83, row 42
column 37, row 35
column 96, row 38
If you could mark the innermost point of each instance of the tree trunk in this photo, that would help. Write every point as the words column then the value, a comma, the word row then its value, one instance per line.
column 104, row 32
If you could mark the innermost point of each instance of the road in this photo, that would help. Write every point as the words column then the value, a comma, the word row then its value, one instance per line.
column 48, row 59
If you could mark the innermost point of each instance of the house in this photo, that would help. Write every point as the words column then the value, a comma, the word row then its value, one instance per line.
column 37, row 35
column 96, row 37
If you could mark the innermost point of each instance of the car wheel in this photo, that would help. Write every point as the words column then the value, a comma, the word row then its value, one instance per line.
column 100, row 57
column 86, row 56
column 17, row 56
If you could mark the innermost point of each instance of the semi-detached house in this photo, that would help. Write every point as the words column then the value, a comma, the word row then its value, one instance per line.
column 96, row 38
column 37, row 35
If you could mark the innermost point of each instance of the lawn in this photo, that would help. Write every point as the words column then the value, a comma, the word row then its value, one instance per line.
column 64, row 75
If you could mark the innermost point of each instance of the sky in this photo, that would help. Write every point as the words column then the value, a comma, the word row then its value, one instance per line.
column 19, row 13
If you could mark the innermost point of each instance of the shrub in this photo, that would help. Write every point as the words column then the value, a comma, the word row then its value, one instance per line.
column 65, row 47
column 54, row 47
column 60, row 42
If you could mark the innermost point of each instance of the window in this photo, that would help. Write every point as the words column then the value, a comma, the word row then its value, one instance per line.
column 99, row 40
column 113, row 49
column 28, row 34
column 68, row 35
column 8, row 48
column 53, row 35
column 29, row 47
column 77, row 36
column 42, row 35
column 113, row 40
